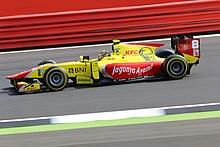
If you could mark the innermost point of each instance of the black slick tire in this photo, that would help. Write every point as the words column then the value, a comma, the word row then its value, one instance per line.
column 163, row 52
column 46, row 62
column 175, row 67
column 55, row 78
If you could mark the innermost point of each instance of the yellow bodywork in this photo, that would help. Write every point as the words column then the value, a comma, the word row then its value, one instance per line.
column 127, row 53
column 73, row 69
column 85, row 71
column 23, row 86
column 190, row 59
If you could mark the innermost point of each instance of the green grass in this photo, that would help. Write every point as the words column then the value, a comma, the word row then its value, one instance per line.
column 93, row 124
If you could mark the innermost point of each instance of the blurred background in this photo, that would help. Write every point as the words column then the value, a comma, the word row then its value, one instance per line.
column 62, row 30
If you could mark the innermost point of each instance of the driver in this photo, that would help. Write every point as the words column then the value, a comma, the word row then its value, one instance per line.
column 103, row 54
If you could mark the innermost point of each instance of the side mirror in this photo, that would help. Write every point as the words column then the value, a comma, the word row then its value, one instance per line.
column 116, row 42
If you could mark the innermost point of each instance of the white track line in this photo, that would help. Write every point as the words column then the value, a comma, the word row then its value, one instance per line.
column 107, row 116
column 113, row 115
column 97, row 45
column 190, row 106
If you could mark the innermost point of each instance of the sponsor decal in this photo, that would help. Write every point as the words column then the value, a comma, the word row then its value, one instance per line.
column 131, row 52
column 31, row 88
column 109, row 58
column 129, row 70
column 40, row 72
column 185, row 47
column 77, row 70
column 84, row 80
column 196, row 52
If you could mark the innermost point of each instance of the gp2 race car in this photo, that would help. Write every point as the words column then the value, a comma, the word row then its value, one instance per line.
column 127, row 62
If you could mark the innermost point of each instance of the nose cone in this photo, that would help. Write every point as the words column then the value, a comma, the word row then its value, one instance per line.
column 20, row 75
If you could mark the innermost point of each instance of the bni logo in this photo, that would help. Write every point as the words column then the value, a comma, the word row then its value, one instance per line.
column 77, row 70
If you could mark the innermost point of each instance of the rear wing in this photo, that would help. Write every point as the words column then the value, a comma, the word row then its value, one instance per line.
column 189, row 47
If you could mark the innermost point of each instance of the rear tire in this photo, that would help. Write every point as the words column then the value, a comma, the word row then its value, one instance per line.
column 175, row 67
column 164, row 52
column 55, row 78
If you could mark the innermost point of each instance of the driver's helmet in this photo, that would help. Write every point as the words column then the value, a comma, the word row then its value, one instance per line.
column 103, row 54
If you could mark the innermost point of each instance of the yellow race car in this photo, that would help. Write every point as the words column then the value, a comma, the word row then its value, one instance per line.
column 127, row 62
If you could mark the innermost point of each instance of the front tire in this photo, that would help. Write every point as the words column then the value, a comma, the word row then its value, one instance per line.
column 175, row 67
column 55, row 78
column 46, row 62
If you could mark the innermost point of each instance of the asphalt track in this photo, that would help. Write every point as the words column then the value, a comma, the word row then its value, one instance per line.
column 202, row 86
column 196, row 133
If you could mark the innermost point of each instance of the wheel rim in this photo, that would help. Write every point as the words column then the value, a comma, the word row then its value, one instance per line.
column 177, row 68
column 56, row 79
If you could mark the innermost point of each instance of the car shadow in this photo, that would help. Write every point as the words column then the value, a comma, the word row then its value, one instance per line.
column 11, row 91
